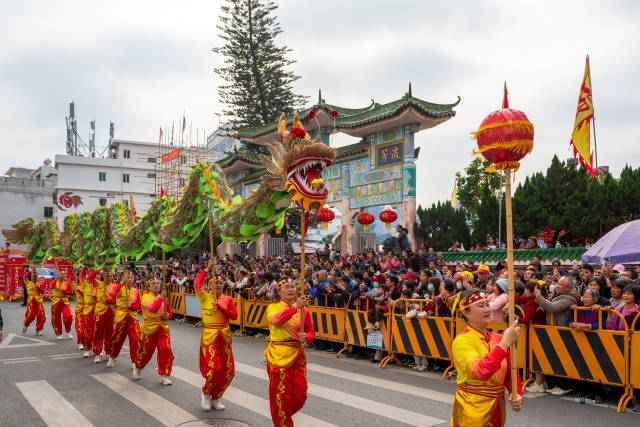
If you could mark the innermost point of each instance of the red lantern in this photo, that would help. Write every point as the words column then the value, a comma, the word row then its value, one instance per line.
column 388, row 216
column 325, row 215
column 365, row 219
column 504, row 137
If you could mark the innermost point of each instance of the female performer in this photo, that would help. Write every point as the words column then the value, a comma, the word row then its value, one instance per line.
column 216, row 357
column 125, row 324
column 286, row 361
column 154, row 332
column 88, row 309
column 483, row 364
column 103, row 328
column 79, row 309
column 60, row 292
column 35, row 310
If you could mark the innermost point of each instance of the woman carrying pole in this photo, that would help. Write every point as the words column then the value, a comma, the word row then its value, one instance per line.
column 286, row 361
column 216, row 357
column 482, row 360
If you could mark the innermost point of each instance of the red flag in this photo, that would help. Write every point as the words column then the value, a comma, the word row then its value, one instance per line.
column 161, row 192
column 505, row 100
column 160, row 139
column 132, row 209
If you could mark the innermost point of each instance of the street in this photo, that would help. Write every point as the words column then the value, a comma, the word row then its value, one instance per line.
column 46, row 382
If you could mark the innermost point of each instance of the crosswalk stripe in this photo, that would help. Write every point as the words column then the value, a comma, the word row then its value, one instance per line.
column 371, row 406
column 18, row 358
column 378, row 382
column 156, row 406
column 246, row 400
column 52, row 407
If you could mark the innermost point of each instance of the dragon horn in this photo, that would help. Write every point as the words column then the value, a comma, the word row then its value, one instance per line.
column 298, row 124
column 282, row 127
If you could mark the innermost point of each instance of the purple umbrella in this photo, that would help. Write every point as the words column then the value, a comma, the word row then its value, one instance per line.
column 620, row 245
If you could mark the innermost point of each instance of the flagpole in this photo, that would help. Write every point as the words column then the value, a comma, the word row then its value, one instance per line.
column 595, row 141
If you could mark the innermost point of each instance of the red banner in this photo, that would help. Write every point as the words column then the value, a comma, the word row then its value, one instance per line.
column 10, row 276
column 172, row 155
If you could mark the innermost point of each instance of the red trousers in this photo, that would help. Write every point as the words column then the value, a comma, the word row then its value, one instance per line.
column 127, row 328
column 287, row 391
column 146, row 346
column 217, row 367
column 88, row 323
column 60, row 313
column 102, row 332
column 35, row 310
column 79, row 328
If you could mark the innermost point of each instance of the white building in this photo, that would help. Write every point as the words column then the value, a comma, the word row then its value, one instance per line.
column 27, row 193
column 84, row 183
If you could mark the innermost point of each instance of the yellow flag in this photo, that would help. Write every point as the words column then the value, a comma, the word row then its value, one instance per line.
column 581, row 137
column 454, row 194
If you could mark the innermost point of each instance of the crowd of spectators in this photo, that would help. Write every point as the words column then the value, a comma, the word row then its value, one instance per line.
column 378, row 283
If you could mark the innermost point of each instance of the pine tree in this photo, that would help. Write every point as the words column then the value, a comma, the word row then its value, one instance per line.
column 258, row 88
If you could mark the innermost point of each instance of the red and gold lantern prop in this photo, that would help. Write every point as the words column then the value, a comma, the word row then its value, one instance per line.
column 326, row 216
column 388, row 216
column 504, row 137
column 365, row 219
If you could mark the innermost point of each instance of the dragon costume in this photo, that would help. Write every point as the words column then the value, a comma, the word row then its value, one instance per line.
column 102, row 237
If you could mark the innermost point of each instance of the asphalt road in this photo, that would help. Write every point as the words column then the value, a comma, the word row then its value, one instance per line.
column 44, row 381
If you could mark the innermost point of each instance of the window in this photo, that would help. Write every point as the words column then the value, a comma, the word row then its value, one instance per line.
column 48, row 211
column 151, row 159
column 125, row 177
column 151, row 175
column 102, row 202
column 126, row 154
column 153, row 196
column 102, row 176
column 182, row 182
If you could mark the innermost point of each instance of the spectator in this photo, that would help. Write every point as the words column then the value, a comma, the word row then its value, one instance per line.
column 499, row 301
column 596, row 284
column 565, row 296
column 457, row 247
column 483, row 277
column 536, row 317
column 617, row 288
column 586, row 320
column 628, row 309
column 403, row 238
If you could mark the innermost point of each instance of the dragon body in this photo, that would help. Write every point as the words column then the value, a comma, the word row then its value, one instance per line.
column 106, row 235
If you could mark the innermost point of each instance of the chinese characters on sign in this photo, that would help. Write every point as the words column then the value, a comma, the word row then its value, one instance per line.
column 390, row 154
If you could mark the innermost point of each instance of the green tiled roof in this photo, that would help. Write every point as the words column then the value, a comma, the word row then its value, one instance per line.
column 571, row 254
column 257, row 173
column 354, row 117
column 244, row 155
column 352, row 149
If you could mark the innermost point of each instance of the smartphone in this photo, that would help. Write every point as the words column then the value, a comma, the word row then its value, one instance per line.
column 458, row 263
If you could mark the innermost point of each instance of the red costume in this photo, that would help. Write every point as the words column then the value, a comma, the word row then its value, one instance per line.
column 286, row 361
column 216, row 357
column 103, row 315
column 35, row 310
column 88, row 310
column 125, row 320
column 60, row 311
column 154, row 332
column 79, row 309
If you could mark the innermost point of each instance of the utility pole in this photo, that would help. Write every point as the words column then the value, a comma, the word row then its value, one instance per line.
column 92, row 139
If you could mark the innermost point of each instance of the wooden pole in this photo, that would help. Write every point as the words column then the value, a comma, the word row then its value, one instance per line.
column 303, row 235
column 512, row 318
column 215, row 292
column 164, row 271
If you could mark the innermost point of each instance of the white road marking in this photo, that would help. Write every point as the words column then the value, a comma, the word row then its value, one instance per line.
column 52, row 407
column 75, row 356
column 18, row 358
column 246, row 400
column 371, row 406
column 389, row 385
column 156, row 406
column 63, row 354
column 36, row 342
column 22, row 361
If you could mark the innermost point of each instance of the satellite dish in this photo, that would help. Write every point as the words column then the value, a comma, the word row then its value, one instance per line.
column 47, row 162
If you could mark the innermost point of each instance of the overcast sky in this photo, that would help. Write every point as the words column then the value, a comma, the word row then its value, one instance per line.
column 141, row 64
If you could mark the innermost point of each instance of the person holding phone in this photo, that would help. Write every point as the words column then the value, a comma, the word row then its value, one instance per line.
column 154, row 333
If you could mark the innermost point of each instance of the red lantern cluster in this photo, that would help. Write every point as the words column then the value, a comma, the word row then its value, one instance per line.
column 326, row 216
column 366, row 219
column 388, row 216
column 311, row 114
column 504, row 138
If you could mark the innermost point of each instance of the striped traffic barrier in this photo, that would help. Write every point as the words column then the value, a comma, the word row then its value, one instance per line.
column 599, row 356
column 176, row 302
column 328, row 322
column 429, row 336
column 254, row 314
column 634, row 368
column 355, row 333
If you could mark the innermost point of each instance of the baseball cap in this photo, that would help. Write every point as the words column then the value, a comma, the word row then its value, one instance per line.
column 483, row 269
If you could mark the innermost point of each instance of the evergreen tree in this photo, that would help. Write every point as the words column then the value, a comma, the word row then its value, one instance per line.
column 257, row 88
column 472, row 184
column 442, row 226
